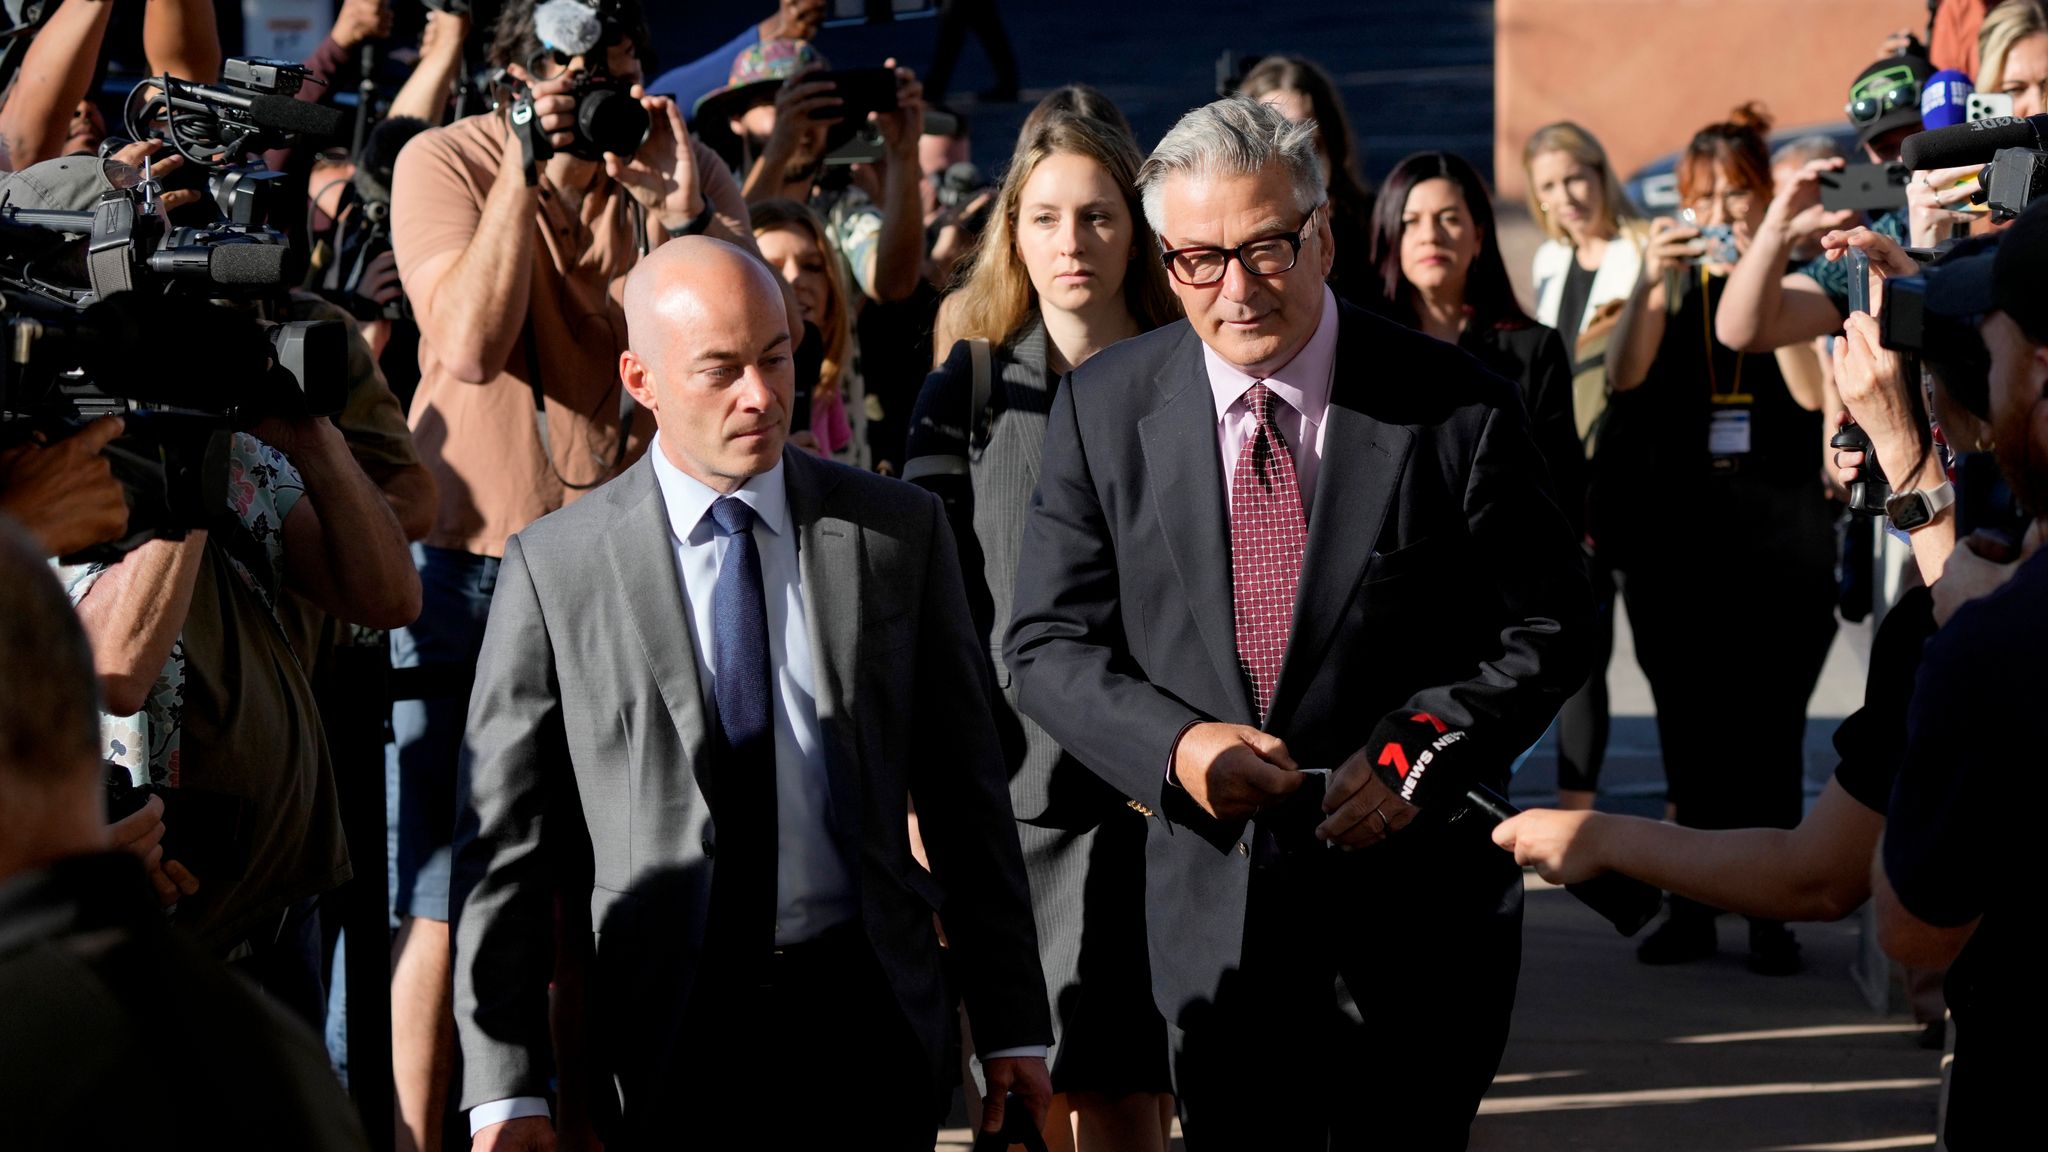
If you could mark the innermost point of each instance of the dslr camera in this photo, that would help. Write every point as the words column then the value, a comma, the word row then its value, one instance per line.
column 608, row 118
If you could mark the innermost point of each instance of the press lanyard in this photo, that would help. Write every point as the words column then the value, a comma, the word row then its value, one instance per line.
column 1707, row 341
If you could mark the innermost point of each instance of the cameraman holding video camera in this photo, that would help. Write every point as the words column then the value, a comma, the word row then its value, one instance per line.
column 1951, row 884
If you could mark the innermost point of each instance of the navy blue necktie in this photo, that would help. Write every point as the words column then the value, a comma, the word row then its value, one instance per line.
column 742, row 921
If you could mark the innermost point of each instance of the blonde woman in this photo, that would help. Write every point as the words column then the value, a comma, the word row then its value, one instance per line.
column 1584, row 273
column 1066, row 267
column 2012, row 54
column 793, row 242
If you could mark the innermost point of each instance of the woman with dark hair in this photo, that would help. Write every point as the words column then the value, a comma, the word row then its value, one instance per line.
column 1066, row 267
column 1301, row 90
column 1707, row 499
column 1437, row 256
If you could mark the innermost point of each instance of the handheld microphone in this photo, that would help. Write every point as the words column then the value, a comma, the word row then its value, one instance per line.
column 1974, row 143
column 1945, row 99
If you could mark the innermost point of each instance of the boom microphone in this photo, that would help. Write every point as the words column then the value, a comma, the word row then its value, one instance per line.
column 1945, row 99
column 1973, row 143
column 268, row 112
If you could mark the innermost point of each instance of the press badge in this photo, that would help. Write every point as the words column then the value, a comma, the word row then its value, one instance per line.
column 1728, row 432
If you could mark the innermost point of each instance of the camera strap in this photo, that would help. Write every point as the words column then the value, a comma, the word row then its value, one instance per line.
column 526, row 126
column 540, row 422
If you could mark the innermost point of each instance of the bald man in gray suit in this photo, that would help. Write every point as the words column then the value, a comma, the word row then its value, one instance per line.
column 709, row 693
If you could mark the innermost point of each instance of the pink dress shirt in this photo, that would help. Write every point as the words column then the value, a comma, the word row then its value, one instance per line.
column 1302, row 384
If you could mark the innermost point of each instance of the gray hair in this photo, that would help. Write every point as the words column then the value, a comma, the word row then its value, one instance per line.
column 49, row 694
column 1235, row 136
column 1805, row 150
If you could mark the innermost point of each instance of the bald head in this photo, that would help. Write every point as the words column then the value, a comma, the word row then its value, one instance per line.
column 710, row 350
column 665, row 291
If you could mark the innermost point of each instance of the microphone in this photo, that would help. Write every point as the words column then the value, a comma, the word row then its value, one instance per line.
column 1974, row 143
column 1413, row 748
column 268, row 112
column 568, row 26
column 1945, row 99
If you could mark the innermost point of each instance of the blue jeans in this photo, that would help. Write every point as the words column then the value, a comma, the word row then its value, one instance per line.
column 420, row 799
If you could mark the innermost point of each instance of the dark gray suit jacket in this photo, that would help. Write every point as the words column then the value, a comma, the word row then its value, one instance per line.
column 1439, row 576
column 588, row 752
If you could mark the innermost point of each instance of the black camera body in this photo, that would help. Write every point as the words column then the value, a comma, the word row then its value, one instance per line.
column 608, row 119
column 2015, row 178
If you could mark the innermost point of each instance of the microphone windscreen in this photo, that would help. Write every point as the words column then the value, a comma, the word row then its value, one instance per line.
column 567, row 26
column 1945, row 99
column 1973, row 143
column 380, row 156
column 253, row 265
column 286, row 114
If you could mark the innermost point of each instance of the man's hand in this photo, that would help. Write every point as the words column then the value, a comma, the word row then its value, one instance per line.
column 302, row 439
column 526, row 1134
column 141, row 832
column 1797, row 211
column 805, row 110
column 361, row 20
column 1233, row 770
column 65, row 492
column 1673, row 247
column 901, row 128
column 662, row 175
column 1024, row 1075
column 160, row 166
column 1563, row 846
column 1362, row 810
column 794, row 20
column 554, row 110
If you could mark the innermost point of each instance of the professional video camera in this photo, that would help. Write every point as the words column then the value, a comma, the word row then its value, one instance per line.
column 1933, row 317
column 68, row 366
column 608, row 118
column 2010, row 148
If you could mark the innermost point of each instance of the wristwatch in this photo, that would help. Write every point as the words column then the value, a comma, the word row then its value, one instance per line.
column 1918, row 508
column 694, row 226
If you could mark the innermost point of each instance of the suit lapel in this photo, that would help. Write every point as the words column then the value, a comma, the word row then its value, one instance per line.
column 644, row 567
column 1361, row 467
column 1186, row 480
column 830, row 565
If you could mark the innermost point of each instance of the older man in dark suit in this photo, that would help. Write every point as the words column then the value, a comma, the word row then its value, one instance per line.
column 710, row 690
column 1282, row 544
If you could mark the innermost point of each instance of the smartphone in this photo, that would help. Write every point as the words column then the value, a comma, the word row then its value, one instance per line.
column 1859, row 280
column 861, row 91
column 1987, row 106
column 1865, row 188
column 1719, row 238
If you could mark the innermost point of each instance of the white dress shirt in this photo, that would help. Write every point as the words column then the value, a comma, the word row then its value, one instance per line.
column 813, row 886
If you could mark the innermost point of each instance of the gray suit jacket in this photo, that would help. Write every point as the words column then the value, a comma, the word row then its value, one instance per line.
column 588, row 752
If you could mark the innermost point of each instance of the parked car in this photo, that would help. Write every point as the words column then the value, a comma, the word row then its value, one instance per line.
column 1654, row 186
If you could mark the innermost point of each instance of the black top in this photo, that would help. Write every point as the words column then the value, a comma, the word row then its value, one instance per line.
column 1959, row 844
column 1872, row 741
column 1571, row 303
column 1535, row 358
column 119, row 1033
column 1654, row 473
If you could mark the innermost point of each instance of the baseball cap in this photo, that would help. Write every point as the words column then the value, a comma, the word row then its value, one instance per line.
column 1886, row 96
column 757, row 71
column 66, row 184
column 2007, row 276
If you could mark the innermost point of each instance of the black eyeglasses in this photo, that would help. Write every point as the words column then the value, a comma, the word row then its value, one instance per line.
column 1202, row 265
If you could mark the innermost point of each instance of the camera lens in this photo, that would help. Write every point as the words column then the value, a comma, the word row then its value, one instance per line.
column 612, row 121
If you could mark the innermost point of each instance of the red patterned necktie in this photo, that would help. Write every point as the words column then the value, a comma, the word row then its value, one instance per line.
column 1268, row 533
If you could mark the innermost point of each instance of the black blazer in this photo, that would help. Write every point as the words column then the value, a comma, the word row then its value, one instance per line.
column 1439, row 576
column 1534, row 357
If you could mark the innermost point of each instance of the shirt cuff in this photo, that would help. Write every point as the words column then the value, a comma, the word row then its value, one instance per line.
column 498, row 1111
column 1174, row 750
column 1028, row 1051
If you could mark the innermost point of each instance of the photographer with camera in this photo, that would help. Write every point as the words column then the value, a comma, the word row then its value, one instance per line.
column 48, row 110
column 1951, row 888
column 1700, row 429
